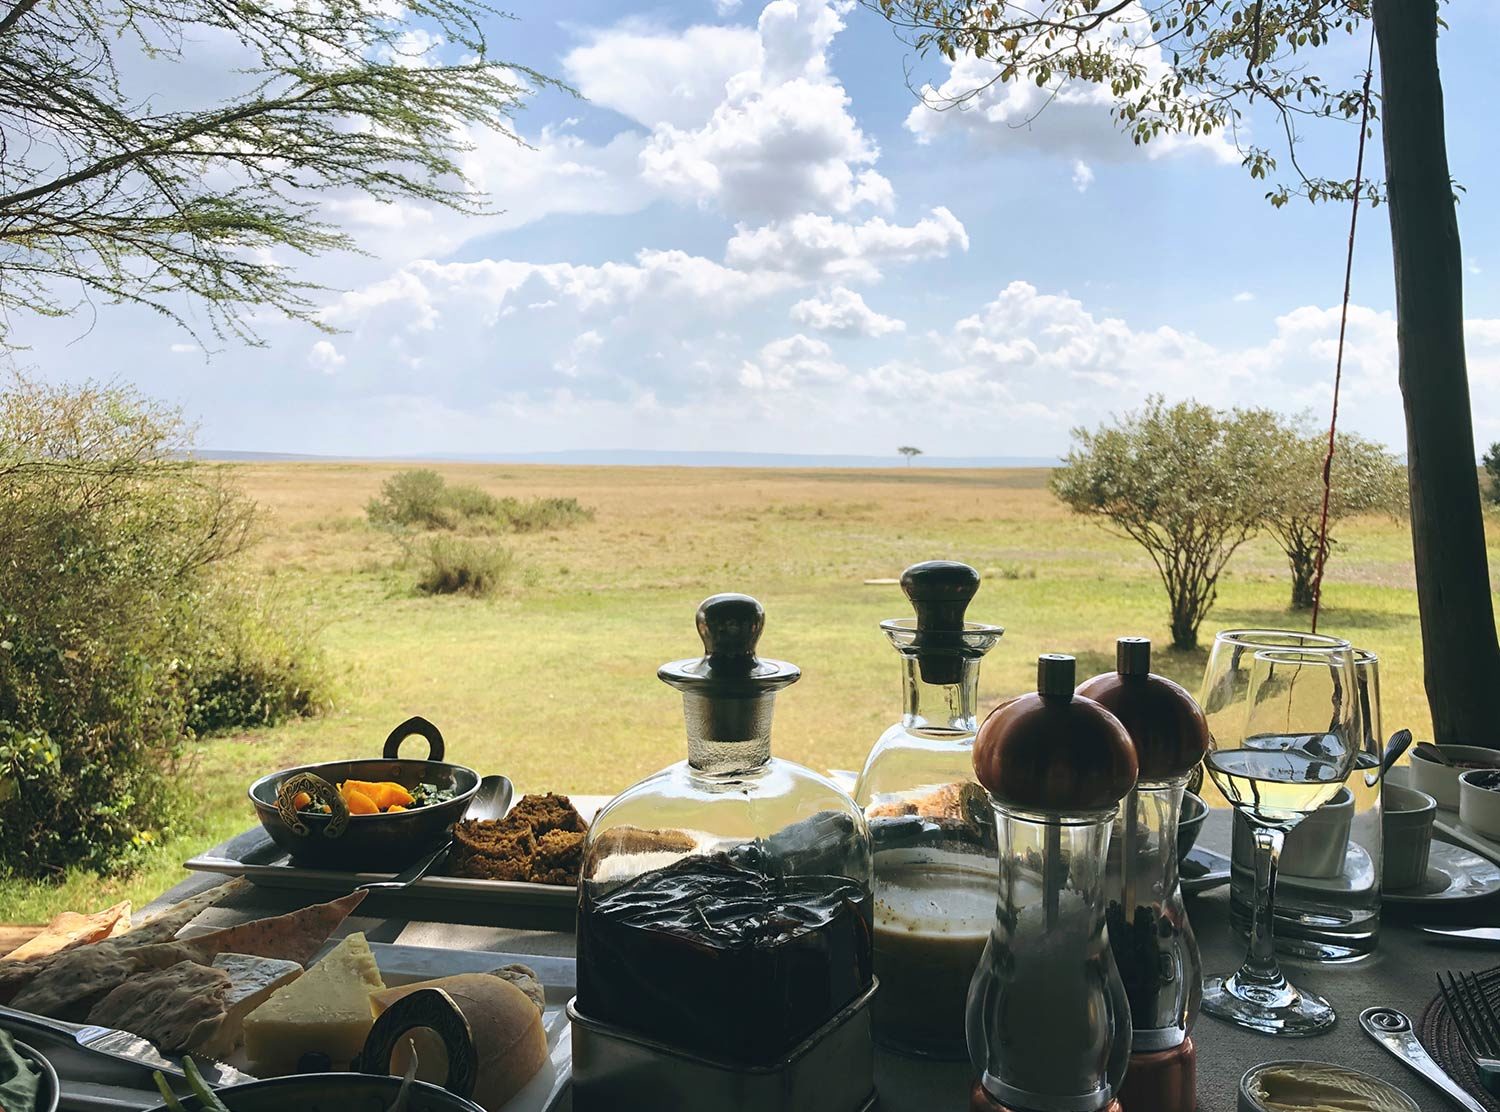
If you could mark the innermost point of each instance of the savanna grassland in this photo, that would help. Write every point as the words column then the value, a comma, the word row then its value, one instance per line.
column 552, row 681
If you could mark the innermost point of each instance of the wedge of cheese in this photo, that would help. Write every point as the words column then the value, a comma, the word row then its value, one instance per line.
column 324, row 1011
column 252, row 981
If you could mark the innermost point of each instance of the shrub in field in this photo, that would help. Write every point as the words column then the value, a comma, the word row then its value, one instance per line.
column 255, row 662
column 539, row 514
column 1186, row 482
column 1365, row 479
column 412, row 498
column 423, row 499
column 462, row 565
column 1492, row 472
column 114, row 622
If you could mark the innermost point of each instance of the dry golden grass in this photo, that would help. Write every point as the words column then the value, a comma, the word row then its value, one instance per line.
column 553, row 681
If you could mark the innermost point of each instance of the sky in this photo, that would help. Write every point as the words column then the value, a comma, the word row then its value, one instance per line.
column 747, row 233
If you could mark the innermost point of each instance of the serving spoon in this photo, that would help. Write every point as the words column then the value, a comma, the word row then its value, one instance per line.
column 491, row 801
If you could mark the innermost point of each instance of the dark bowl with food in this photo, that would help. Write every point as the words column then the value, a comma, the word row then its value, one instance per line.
column 332, row 1092
column 1190, row 823
column 49, row 1091
column 305, row 814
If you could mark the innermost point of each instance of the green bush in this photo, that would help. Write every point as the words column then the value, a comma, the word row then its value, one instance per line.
column 116, row 623
column 255, row 663
column 423, row 500
column 539, row 514
column 411, row 498
column 462, row 565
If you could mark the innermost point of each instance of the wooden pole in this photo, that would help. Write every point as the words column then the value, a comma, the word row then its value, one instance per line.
column 1462, row 655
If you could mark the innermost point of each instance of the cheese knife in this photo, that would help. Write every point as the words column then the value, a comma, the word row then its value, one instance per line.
column 1469, row 936
column 120, row 1045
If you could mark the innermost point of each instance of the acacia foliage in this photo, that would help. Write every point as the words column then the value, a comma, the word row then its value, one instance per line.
column 1171, row 67
column 112, row 188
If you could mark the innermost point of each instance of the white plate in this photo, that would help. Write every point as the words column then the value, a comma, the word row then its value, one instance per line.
column 1453, row 873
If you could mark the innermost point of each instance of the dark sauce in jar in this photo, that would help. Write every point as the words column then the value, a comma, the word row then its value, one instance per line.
column 721, row 959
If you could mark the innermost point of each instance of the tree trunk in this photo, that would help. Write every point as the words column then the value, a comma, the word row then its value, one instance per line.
column 1461, row 652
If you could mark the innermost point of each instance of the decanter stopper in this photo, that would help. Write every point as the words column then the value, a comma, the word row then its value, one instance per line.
column 940, row 592
column 728, row 692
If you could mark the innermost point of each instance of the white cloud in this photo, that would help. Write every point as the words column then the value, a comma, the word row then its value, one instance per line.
column 794, row 361
column 1083, row 176
column 813, row 244
column 1243, row 296
column 782, row 139
column 417, row 296
column 186, row 349
column 661, row 77
column 324, row 356
column 844, row 312
column 1066, row 118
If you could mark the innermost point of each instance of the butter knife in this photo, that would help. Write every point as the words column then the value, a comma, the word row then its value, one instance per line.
column 1474, row 936
column 1392, row 1030
column 121, row 1045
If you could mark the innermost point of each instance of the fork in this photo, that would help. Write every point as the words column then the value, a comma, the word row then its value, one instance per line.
column 1477, row 1024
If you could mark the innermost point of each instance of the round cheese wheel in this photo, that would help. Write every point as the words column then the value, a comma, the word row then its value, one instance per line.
column 510, row 1042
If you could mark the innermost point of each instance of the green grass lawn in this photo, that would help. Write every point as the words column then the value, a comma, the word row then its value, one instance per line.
column 554, row 682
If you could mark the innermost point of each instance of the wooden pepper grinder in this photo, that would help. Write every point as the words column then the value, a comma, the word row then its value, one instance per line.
column 1149, row 931
column 1048, row 1022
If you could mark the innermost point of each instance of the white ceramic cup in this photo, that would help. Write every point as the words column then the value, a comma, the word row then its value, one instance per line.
column 1315, row 847
column 1441, row 781
column 1479, row 806
column 1406, row 823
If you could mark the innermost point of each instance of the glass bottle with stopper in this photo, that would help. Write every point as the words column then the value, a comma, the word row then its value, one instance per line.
column 1149, row 932
column 1048, row 1019
column 931, row 824
column 724, row 903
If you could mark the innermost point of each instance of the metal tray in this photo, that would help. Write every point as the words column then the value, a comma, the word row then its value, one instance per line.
column 480, row 903
column 832, row 1070
column 94, row 1083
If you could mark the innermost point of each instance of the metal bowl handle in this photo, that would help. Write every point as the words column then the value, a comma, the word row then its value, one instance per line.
column 415, row 725
column 321, row 791
column 434, row 1009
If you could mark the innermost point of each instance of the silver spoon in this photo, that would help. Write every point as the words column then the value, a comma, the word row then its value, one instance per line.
column 1432, row 753
column 491, row 801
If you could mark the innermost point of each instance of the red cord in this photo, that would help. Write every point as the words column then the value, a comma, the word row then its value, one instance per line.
column 1338, row 369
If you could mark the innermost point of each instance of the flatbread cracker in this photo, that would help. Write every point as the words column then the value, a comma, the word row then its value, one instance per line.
column 175, row 1008
column 164, row 925
column 71, row 929
column 75, row 981
column 296, row 936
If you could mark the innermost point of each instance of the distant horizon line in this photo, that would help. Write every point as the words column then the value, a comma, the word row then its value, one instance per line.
column 647, row 457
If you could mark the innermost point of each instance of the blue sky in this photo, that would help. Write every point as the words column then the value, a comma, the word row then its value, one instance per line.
column 749, row 235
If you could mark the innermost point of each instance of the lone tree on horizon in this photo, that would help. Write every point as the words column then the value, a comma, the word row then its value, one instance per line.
column 202, row 198
column 910, row 453
column 1194, row 67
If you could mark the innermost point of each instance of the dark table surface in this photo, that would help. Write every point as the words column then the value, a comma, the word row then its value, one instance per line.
column 1401, row 974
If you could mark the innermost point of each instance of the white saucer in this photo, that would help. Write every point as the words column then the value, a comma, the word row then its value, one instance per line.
column 1453, row 873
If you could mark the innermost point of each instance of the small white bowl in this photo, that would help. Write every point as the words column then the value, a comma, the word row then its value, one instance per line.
column 1407, row 818
column 1441, row 781
column 1479, row 807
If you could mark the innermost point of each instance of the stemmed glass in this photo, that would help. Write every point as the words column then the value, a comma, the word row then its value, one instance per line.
column 1283, row 712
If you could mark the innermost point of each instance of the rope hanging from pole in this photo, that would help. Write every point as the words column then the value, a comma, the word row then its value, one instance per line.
column 1338, row 367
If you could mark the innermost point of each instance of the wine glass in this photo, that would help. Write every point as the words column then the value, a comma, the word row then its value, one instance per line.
column 1284, row 718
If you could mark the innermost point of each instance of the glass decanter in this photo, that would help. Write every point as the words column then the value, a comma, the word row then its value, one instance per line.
column 1149, row 932
column 931, row 825
column 1048, row 1019
column 724, row 904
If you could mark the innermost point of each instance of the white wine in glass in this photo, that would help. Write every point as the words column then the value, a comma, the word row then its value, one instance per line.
column 1285, row 731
